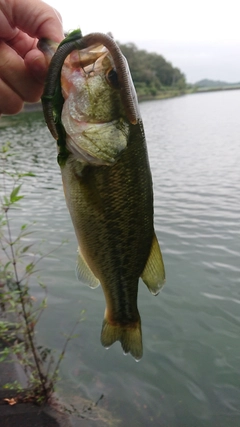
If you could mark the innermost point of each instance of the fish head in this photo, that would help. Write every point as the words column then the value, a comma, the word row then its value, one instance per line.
column 89, row 100
column 90, row 79
column 93, row 114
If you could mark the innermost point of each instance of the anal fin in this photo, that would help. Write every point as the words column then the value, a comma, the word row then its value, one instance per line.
column 84, row 273
column 153, row 274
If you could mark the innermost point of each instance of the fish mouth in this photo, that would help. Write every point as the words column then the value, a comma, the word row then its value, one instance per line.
column 91, row 49
column 88, row 58
column 82, row 65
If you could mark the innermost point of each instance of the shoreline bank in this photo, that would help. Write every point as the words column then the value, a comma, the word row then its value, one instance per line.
column 34, row 107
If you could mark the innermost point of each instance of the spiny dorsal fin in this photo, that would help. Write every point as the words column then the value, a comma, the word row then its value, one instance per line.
column 84, row 273
column 154, row 273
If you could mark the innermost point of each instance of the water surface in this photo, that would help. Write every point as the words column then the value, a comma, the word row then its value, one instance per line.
column 190, row 372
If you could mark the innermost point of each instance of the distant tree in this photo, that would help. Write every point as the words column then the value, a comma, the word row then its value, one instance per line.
column 150, row 71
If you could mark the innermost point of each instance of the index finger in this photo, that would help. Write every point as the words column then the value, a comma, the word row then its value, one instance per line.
column 17, row 39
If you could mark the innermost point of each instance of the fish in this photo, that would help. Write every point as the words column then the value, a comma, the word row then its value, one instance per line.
column 91, row 108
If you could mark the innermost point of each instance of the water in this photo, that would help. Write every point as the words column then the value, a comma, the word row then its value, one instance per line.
column 190, row 373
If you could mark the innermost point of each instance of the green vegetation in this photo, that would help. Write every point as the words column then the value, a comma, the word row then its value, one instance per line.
column 207, row 85
column 19, row 310
column 152, row 75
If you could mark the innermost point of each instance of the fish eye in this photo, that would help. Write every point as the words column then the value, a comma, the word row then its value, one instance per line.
column 112, row 78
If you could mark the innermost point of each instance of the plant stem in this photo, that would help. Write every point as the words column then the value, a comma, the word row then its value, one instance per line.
column 63, row 351
column 25, row 316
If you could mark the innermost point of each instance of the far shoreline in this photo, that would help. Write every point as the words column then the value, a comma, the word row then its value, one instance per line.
column 37, row 106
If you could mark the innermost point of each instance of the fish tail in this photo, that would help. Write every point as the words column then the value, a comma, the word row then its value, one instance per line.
column 130, row 337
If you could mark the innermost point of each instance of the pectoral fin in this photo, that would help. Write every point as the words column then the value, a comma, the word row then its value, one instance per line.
column 154, row 273
column 84, row 273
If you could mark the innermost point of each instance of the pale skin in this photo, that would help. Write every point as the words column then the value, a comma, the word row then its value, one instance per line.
column 23, row 67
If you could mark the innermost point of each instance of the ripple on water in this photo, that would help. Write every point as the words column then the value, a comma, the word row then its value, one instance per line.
column 189, row 375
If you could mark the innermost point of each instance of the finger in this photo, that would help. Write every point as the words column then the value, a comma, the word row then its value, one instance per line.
column 18, row 40
column 6, row 30
column 36, row 65
column 34, row 18
column 22, row 43
column 10, row 102
column 15, row 74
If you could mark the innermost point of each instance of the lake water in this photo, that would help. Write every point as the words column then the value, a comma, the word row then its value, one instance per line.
column 189, row 375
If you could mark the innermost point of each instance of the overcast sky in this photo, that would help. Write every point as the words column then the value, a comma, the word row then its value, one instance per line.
column 201, row 38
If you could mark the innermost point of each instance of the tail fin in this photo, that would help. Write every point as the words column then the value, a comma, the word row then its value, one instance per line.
column 130, row 337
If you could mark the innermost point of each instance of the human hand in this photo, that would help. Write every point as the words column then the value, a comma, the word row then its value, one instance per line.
column 23, row 67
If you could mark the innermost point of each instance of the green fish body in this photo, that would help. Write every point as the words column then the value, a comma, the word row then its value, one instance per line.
column 108, row 189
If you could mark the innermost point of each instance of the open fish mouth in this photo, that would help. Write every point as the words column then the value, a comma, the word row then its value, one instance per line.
column 88, row 53
column 87, row 58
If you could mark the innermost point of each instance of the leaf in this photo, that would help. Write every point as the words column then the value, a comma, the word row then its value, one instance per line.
column 25, row 234
column 4, row 354
column 7, row 265
column 22, row 175
column 29, row 267
column 17, row 198
column 11, row 401
column 5, row 148
column 25, row 249
column 43, row 303
column 14, row 193
column 15, row 385
column 6, row 200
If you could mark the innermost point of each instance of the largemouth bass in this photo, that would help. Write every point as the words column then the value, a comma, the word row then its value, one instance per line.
column 91, row 108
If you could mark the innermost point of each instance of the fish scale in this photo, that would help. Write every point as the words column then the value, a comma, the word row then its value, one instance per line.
column 115, row 219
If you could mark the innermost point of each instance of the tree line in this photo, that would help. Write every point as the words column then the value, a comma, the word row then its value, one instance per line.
column 151, row 73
